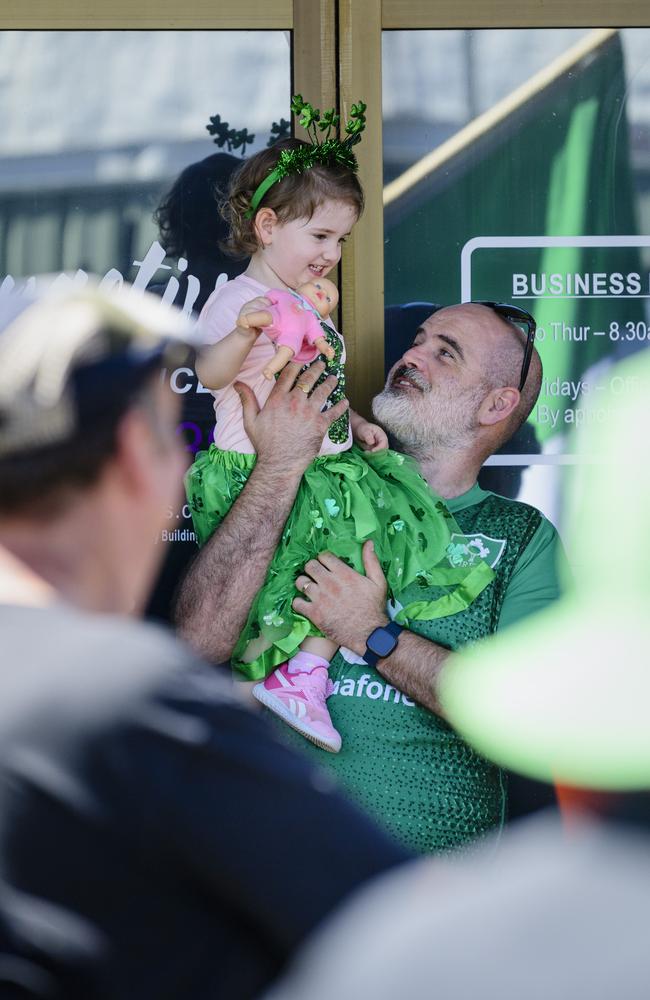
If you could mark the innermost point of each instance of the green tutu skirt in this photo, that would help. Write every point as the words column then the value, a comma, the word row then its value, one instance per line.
column 342, row 501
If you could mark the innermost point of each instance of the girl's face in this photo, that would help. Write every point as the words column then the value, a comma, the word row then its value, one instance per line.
column 307, row 249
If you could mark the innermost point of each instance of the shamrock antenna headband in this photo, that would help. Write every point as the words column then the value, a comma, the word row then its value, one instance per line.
column 331, row 151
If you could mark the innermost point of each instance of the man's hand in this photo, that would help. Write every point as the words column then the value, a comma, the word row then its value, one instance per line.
column 289, row 429
column 347, row 607
column 370, row 437
column 342, row 603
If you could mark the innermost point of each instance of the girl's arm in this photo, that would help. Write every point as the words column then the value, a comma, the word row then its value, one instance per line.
column 219, row 364
column 368, row 436
column 355, row 419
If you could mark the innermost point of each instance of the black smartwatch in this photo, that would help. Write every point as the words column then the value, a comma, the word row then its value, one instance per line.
column 381, row 642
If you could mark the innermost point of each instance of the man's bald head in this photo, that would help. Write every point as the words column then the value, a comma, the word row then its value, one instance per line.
column 504, row 364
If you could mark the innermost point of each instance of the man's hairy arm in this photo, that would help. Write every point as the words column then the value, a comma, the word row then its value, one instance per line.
column 414, row 668
column 415, row 664
column 214, row 598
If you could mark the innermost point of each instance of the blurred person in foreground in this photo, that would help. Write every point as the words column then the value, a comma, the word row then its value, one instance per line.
column 554, row 912
column 142, row 854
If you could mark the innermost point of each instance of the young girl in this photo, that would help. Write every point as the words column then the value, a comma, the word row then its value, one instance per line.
column 293, row 229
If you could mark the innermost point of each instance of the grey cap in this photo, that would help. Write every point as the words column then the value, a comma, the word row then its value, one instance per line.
column 68, row 356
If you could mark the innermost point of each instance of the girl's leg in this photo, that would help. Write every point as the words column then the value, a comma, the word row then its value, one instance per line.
column 297, row 692
column 316, row 648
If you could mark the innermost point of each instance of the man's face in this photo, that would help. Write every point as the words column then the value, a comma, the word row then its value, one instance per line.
column 433, row 393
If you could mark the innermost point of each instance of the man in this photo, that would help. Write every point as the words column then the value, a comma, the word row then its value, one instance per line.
column 142, row 850
column 463, row 388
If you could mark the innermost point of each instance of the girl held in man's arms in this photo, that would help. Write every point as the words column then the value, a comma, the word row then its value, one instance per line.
column 291, row 207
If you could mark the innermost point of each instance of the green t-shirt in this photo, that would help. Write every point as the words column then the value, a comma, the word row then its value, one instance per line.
column 404, row 764
column 539, row 570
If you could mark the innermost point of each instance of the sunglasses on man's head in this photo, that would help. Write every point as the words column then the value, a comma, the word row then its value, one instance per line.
column 521, row 318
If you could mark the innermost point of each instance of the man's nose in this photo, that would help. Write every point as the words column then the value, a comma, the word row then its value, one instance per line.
column 414, row 358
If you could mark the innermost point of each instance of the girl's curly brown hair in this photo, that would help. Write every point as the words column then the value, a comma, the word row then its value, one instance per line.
column 294, row 197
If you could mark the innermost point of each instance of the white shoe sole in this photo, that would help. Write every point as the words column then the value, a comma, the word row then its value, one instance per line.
column 274, row 705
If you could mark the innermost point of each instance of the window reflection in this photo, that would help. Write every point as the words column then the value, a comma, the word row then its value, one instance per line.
column 514, row 162
column 97, row 124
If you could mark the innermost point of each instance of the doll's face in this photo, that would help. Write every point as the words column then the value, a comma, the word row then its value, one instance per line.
column 322, row 293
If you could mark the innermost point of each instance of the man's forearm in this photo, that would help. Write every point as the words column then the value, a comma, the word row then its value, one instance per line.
column 414, row 668
column 215, row 597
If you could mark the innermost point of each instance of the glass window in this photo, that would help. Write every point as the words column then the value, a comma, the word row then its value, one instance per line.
column 95, row 129
column 96, row 125
column 516, row 169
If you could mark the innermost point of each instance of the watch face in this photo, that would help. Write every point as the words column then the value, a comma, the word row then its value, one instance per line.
column 382, row 642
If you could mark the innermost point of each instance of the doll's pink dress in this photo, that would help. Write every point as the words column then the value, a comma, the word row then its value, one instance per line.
column 296, row 324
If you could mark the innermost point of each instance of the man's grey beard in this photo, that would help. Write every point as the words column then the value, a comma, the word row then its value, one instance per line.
column 426, row 420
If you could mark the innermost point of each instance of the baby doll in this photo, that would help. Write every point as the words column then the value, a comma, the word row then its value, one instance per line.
column 293, row 323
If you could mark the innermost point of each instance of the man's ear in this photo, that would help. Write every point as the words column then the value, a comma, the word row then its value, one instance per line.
column 498, row 405
column 264, row 225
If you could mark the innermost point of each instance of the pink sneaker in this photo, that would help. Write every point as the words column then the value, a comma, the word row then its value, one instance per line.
column 299, row 699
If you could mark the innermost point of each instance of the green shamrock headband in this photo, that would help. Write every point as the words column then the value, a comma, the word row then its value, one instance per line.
column 332, row 150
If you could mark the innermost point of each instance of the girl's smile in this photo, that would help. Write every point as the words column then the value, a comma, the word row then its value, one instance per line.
column 305, row 249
